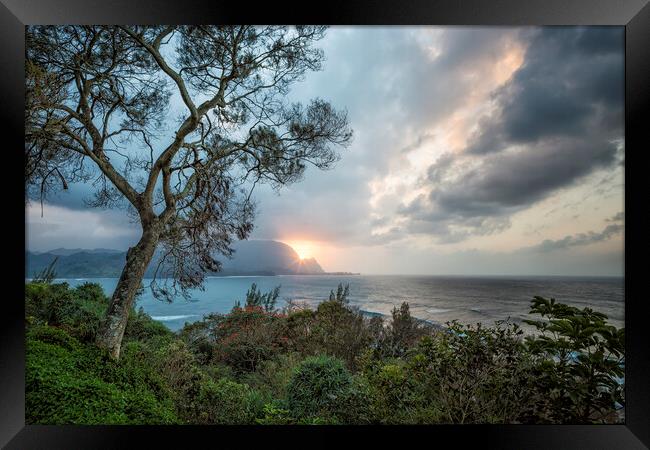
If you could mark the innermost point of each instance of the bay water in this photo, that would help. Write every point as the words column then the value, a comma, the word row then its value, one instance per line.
column 437, row 299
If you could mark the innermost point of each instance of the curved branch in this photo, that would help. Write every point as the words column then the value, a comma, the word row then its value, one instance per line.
column 155, row 53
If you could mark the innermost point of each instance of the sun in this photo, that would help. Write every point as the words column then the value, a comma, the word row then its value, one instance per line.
column 304, row 249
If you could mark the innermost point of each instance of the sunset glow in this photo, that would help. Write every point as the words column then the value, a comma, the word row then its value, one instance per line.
column 305, row 249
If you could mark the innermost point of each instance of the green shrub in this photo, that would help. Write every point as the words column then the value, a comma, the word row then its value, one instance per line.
column 78, row 311
column 70, row 383
column 81, row 323
column 580, row 362
column 47, row 302
column 182, row 375
column 34, row 299
column 272, row 376
column 249, row 344
column 242, row 339
column 274, row 414
column 300, row 324
column 227, row 402
column 394, row 395
column 91, row 293
column 249, row 366
column 142, row 327
column 402, row 333
column 320, row 386
column 51, row 335
column 338, row 330
column 195, row 389
column 474, row 374
column 468, row 374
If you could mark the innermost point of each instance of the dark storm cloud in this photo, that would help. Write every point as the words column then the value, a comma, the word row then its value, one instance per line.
column 74, row 228
column 619, row 217
column 577, row 240
column 571, row 82
column 74, row 197
column 556, row 120
column 514, row 180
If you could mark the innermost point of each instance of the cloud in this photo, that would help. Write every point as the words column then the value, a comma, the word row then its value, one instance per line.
column 571, row 82
column 614, row 228
column 476, row 195
column 577, row 240
column 397, row 84
column 459, row 133
column 618, row 217
column 72, row 228
column 558, row 119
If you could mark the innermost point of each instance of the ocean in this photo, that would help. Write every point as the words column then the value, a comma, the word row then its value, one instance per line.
column 437, row 299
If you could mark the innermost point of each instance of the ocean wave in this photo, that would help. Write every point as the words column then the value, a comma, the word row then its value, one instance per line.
column 241, row 276
column 170, row 318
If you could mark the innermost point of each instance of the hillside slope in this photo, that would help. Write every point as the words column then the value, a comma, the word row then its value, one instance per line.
column 250, row 258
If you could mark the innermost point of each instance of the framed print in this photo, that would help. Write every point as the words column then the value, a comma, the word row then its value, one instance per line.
column 383, row 219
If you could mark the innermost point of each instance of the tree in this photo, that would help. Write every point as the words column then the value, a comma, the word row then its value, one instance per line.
column 581, row 368
column 100, row 100
column 255, row 298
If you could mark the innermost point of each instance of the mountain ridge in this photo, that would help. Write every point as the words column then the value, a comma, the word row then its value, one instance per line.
column 254, row 257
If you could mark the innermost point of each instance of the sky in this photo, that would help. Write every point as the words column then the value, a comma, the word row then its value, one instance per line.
column 495, row 151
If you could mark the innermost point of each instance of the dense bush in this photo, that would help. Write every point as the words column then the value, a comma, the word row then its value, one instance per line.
column 227, row 402
column 401, row 334
column 51, row 335
column 272, row 376
column 181, row 374
column 242, row 339
column 330, row 365
column 474, row 374
column 580, row 363
column 47, row 303
column 141, row 326
column 78, row 311
column 91, row 293
column 68, row 382
column 334, row 329
column 275, row 414
column 340, row 331
column 321, row 387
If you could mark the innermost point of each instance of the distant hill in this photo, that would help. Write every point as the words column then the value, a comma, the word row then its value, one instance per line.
column 76, row 265
column 269, row 257
column 250, row 258
column 72, row 251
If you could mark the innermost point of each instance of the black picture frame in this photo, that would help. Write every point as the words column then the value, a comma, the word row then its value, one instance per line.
column 634, row 15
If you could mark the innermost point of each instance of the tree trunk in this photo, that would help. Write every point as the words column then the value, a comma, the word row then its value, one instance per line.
column 137, row 260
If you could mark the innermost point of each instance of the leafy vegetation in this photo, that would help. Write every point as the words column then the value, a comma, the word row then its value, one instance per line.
column 47, row 274
column 330, row 365
column 580, row 362
column 318, row 388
